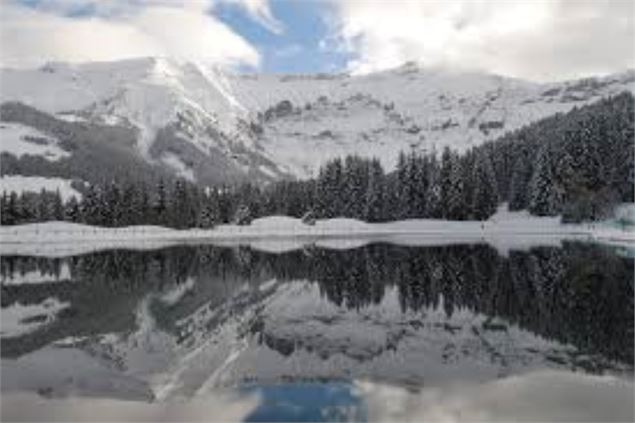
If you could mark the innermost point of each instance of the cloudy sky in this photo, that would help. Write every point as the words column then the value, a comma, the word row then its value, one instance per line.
column 534, row 39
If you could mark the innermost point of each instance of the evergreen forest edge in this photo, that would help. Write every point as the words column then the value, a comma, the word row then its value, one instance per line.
column 578, row 165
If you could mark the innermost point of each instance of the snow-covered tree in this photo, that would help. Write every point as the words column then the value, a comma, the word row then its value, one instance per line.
column 375, row 193
column 209, row 215
column 160, row 206
column 433, row 190
column 56, row 205
column 71, row 210
column 485, row 194
column 354, row 181
column 456, row 206
column 329, row 190
column 242, row 216
column 90, row 206
column 546, row 195
column 9, row 212
column 445, row 182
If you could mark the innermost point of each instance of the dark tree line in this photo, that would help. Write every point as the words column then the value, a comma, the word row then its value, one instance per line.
column 422, row 186
column 578, row 164
column 178, row 205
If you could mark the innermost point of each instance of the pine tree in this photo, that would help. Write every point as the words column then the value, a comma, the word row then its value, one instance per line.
column 112, row 206
column 72, row 210
column 375, row 193
column 225, row 204
column 329, row 189
column 209, row 215
column 27, row 207
column 160, row 207
column 546, row 196
column 56, row 207
column 180, row 207
column 420, row 186
column 404, row 187
column 433, row 192
column 467, row 173
column 90, row 206
column 445, row 182
column 354, row 185
column 485, row 194
column 456, row 207
column 145, row 209
column 43, row 209
column 129, row 205
column 9, row 208
column 4, row 203
column 242, row 216
column 519, row 185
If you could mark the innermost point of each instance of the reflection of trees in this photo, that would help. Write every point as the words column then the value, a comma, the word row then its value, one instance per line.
column 579, row 294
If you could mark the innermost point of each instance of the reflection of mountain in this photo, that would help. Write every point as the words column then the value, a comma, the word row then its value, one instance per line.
column 186, row 319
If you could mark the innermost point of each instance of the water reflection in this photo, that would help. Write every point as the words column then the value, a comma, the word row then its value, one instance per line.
column 184, row 321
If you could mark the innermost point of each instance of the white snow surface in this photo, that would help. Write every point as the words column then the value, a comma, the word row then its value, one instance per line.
column 504, row 230
column 19, row 140
column 331, row 115
column 20, row 184
column 147, row 93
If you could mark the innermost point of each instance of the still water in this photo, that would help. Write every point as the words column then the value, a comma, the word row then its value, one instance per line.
column 369, row 333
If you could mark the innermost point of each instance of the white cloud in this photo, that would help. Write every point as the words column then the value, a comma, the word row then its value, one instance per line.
column 119, row 30
column 535, row 39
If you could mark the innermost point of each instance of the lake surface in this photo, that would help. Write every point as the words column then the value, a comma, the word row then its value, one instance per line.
column 375, row 332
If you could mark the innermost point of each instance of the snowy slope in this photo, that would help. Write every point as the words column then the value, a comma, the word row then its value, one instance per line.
column 20, row 140
column 410, row 107
column 35, row 184
column 184, row 115
column 266, row 126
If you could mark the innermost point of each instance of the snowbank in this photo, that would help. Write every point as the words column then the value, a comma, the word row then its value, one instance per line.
column 505, row 230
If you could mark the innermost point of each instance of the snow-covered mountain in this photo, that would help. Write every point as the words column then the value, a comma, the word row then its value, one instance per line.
column 211, row 126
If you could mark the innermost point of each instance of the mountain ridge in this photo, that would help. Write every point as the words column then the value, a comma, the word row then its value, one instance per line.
column 215, row 127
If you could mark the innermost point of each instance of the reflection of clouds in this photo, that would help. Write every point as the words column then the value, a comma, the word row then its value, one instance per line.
column 537, row 396
column 217, row 407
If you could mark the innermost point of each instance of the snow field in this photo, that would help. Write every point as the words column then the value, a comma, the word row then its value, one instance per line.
column 20, row 184
column 19, row 140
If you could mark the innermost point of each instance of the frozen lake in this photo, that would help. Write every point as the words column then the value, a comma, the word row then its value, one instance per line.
column 371, row 332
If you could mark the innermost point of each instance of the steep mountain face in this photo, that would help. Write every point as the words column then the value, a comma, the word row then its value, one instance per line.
column 208, row 126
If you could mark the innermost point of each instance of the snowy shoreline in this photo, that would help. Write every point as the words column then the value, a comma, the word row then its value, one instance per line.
column 505, row 231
